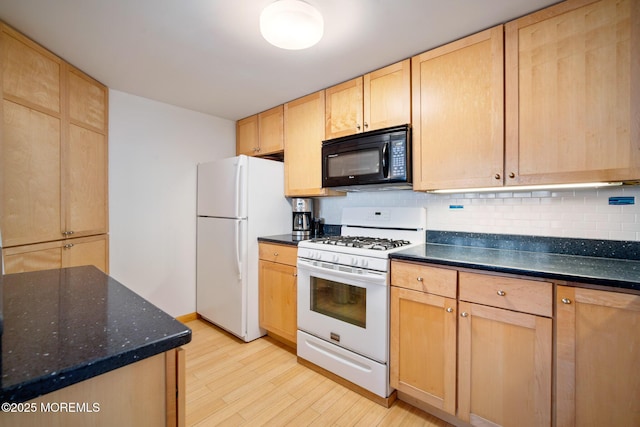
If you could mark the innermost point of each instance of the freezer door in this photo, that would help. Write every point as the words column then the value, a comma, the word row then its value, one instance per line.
column 221, row 273
column 222, row 188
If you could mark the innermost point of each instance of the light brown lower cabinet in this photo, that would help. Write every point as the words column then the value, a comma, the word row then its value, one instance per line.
column 92, row 250
column 504, row 367
column 598, row 355
column 497, row 328
column 423, row 347
column 150, row 392
column 423, row 333
column 277, row 282
column 504, row 350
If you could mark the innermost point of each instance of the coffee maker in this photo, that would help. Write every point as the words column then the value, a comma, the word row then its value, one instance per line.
column 302, row 218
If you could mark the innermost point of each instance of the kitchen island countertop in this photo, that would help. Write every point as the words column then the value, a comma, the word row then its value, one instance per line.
column 61, row 327
column 603, row 272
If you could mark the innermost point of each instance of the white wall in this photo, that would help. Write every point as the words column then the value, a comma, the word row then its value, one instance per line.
column 153, row 152
column 574, row 214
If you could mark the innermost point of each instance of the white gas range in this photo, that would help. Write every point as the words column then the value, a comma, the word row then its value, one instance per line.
column 343, row 293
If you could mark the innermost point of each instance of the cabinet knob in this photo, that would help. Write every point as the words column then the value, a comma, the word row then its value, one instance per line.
column 497, row 176
column 449, row 310
column 358, row 126
column 566, row 301
column 419, row 279
column 512, row 175
column 276, row 254
column 366, row 125
column 464, row 314
column 501, row 293
column 68, row 246
column 67, row 233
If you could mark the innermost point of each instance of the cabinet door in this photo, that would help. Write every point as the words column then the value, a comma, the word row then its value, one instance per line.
column 271, row 131
column 92, row 250
column 303, row 136
column 30, row 74
column 504, row 371
column 247, row 136
column 598, row 354
column 387, row 96
column 22, row 259
column 458, row 136
column 572, row 97
column 344, row 109
column 85, row 184
column 423, row 347
column 87, row 101
column 278, row 299
column 30, row 176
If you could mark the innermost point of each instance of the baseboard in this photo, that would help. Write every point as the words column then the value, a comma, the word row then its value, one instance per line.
column 282, row 340
column 188, row 317
column 436, row 412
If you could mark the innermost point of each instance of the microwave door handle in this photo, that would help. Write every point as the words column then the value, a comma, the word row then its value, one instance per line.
column 385, row 160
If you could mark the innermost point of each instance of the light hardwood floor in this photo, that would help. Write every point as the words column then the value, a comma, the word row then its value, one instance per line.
column 232, row 383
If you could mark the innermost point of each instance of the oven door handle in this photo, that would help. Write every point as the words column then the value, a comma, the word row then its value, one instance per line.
column 372, row 277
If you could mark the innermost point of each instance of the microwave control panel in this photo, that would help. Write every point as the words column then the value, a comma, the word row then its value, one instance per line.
column 398, row 158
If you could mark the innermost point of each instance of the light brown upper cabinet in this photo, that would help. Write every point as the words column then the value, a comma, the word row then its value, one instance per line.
column 303, row 135
column 376, row 100
column 54, row 147
column 261, row 134
column 573, row 93
column 458, row 100
column 247, row 135
column 85, row 154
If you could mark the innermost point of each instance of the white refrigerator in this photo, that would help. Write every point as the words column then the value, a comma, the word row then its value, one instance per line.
column 239, row 199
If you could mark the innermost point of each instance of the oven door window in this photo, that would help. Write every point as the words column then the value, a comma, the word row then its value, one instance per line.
column 340, row 301
column 356, row 163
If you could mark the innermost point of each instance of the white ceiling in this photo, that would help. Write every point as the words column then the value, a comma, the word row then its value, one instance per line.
column 209, row 56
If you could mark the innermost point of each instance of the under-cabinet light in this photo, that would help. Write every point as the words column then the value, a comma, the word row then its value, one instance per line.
column 540, row 187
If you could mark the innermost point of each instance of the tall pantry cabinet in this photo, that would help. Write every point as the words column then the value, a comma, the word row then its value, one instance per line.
column 53, row 158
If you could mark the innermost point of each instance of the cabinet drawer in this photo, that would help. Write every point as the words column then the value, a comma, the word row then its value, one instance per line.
column 278, row 253
column 434, row 280
column 528, row 296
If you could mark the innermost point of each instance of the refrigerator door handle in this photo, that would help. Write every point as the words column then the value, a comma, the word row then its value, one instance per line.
column 238, row 241
column 238, row 188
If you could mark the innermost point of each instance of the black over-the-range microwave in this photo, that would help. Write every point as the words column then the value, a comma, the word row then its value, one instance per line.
column 379, row 159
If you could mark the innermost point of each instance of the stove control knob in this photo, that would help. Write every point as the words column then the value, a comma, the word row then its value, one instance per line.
column 354, row 261
column 364, row 263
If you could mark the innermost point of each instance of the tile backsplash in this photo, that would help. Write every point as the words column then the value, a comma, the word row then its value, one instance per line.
column 575, row 214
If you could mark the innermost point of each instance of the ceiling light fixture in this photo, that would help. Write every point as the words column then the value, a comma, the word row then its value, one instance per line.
column 291, row 24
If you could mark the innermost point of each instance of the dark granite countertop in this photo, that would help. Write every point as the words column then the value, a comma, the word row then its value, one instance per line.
column 281, row 239
column 607, row 272
column 65, row 326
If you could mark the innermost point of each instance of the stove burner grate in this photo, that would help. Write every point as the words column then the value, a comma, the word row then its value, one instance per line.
column 375, row 243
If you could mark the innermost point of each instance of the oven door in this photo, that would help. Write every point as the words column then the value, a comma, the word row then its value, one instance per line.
column 346, row 308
